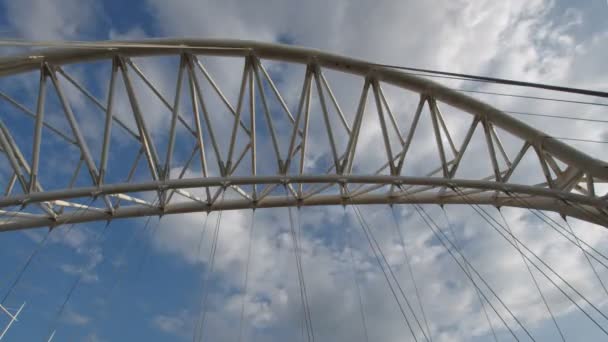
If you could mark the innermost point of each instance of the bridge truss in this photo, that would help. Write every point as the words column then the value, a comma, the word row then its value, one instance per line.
column 109, row 130
column 255, row 147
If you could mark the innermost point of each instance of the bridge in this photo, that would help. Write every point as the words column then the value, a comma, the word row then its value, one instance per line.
column 119, row 144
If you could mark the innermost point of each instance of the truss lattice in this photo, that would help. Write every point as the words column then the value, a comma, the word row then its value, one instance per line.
column 215, row 141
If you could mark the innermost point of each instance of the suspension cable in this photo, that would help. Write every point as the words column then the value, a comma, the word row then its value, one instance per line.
column 246, row 279
column 577, row 242
column 371, row 245
column 200, row 326
column 198, row 256
column 549, row 221
column 587, row 257
column 122, row 274
column 146, row 248
column 303, row 294
column 356, row 278
column 458, row 245
column 26, row 264
column 428, row 220
column 563, row 117
column 369, row 234
column 77, row 281
column 494, row 226
column 299, row 248
column 469, row 77
column 410, row 271
column 540, row 292
column 39, row 247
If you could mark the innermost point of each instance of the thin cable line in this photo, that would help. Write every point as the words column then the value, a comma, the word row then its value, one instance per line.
column 299, row 250
column 385, row 274
column 122, row 273
column 147, row 247
column 26, row 264
column 200, row 240
column 420, row 209
column 390, row 269
column 39, row 247
column 246, row 280
column 580, row 140
column 564, row 117
column 466, row 262
column 587, row 257
column 302, row 284
column 540, row 292
column 77, row 281
column 356, row 279
column 200, row 326
column 369, row 233
column 543, row 217
column 304, row 327
column 495, row 80
column 538, row 268
column 198, row 254
column 411, row 272
column 529, row 97
column 458, row 245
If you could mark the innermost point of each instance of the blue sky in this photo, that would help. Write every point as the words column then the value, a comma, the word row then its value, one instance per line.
column 142, row 279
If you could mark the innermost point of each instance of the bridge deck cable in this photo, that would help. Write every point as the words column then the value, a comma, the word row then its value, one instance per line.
column 299, row 250
column 39, row 247
column 599, row 279
column 246, row 277
column 199, row 248
column 458, row 245
column 34, row 252
column 578, row 242
column 563, row 231
column 120, row 277
column 538, row 288
column 199, row 329
column 410, row 271
column 81, row 272
column 146, row 248
column 350, row 246
column 380, row 256
column 440, row 235
column 301, row 281
column 386, row 277
column 504, row 233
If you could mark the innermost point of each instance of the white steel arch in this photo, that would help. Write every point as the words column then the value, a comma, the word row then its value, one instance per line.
column 570, row 175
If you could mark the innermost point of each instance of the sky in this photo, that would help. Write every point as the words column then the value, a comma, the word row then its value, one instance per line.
column 144, row 279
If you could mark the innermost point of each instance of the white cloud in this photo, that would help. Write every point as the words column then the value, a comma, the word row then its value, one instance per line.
column 519, row 40
column 52, row 20
column 74, row 318
column 516, row 39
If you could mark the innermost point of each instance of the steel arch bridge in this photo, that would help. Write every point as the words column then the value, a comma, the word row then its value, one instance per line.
column 255, row 151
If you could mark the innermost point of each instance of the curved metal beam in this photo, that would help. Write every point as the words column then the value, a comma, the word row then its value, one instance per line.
column 587, row 213
column 538, row 197
column 560, row 199
column 106, row 50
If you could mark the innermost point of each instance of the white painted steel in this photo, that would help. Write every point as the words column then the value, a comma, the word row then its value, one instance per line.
column 571, row 192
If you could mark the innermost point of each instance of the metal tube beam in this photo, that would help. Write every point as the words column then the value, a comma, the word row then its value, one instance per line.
column 296, row 179
column 588, row 213
column 217, row 47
